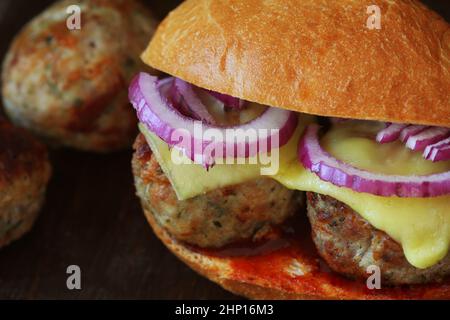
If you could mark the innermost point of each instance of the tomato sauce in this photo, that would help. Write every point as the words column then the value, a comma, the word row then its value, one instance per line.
column 288, row 261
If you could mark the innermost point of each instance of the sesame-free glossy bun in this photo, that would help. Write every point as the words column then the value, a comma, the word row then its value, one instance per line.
column 313, row 56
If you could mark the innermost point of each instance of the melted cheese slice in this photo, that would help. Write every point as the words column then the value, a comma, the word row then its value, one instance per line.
column 420, row 225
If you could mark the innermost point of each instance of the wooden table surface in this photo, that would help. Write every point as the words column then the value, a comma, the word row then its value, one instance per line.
column 92, row 219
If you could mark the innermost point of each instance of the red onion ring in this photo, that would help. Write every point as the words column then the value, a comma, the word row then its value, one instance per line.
column 440, row 154
column 390, row 133
column 164, row 120
column 192, row 102
column 341, row 174
column 227, row 100
column 429, row 136
column 411, row 130
column 417, row 138
column 439, row 151
column 173, row 96
column 164, row 83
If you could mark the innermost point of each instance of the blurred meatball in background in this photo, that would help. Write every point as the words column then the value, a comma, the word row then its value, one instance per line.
column 70, row 86
column 24, row 174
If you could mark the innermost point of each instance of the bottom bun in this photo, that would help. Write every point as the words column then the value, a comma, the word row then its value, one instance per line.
column 290, row 271
column 24, row 225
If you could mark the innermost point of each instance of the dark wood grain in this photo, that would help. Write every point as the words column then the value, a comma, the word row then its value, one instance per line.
column 92, row 219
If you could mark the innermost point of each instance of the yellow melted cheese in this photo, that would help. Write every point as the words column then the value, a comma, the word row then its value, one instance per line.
column 354, row 143
column 420, row 225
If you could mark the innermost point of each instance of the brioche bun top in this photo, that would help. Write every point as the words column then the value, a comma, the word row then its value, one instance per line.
column 313, row 56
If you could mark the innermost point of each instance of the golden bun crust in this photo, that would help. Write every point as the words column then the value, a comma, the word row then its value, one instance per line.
column 313, row 56
column 275, row 276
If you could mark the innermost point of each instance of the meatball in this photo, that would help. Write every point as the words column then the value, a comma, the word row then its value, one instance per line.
column 24, row 173
column 217, row 218
column 349, row 244
column 70, row 86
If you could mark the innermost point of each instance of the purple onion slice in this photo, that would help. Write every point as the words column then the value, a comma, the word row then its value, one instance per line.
column 191, row 101
column 274, row 127
column 439, row 151
column 429, row 136
column 227, row 100
column 341, row 174
column 411, row 130
column 390, row 133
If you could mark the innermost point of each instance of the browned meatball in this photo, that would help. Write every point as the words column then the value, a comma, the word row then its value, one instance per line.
column 217, row 218
column 24, row 173
column 70, row 86
column 349, row 244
